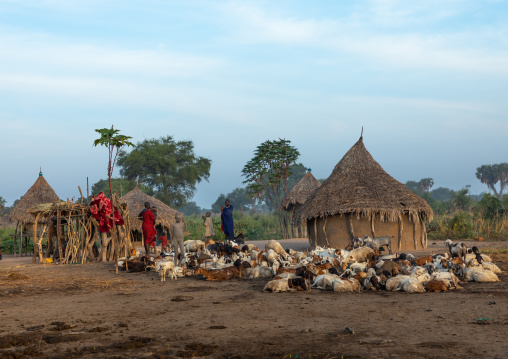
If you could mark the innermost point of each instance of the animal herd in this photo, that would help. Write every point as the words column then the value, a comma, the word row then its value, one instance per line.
column 358, row 269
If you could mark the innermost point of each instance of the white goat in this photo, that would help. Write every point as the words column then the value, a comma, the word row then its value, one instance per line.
column 478, row 274
column 346, row 285
column 164, row 268
column 273, row 244
column 279, row 285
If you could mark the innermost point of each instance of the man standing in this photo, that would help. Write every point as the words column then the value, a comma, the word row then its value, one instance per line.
column 227, row 220
column 207, row 220
column 177, row 237
column 148, row 227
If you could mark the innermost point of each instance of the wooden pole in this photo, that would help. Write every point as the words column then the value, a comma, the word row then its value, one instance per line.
column 401, row 227
column 15, row 239
column 422, row 235
column 81, row 193
column 425, row 233
column 21, row 242
column 34, row 235
column 372, row 218
column 39, row 244
column 315, row 231
column 351, row 227
column 59, row 234
column 414, row 235
column 324, row 231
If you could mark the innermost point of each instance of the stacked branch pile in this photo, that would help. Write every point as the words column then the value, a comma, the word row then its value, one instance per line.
column 72, row 234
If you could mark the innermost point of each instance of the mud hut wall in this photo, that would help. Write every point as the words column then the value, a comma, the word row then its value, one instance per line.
column 311, row 233
column 339, row 236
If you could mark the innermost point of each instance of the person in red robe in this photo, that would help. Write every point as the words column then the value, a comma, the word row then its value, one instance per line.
column 101, row 209
column 164, row 241
column 148, row 227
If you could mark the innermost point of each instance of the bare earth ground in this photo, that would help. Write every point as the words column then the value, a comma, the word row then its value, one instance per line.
column 90, row 311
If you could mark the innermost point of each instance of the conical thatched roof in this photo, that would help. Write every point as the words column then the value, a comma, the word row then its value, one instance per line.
column 136, row 199
column 41, row 192
column 358, row 184
column 301, row 191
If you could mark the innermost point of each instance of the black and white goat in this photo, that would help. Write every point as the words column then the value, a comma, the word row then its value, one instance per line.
column 457, row 249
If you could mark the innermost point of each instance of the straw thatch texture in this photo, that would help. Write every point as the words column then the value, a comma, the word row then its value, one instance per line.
column 41, row 192
column 300, row 191
column 359, row 185
column 135, row 201
column 45, row 209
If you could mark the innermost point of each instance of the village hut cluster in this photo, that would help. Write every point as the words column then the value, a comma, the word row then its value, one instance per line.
column 357, row 212
column 65, row 232
column 349, row 219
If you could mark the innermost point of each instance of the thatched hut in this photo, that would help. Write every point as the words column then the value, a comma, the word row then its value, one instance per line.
column 135, row 201
column 40, row 193
column 360, row 198
column 298, row 195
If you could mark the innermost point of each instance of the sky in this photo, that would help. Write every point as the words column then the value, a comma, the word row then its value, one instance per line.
column 427, row 81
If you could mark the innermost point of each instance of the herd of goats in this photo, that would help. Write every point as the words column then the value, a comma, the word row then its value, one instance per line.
column 341, row 270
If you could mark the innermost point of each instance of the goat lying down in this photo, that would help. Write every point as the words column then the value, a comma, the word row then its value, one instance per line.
column 286, row 285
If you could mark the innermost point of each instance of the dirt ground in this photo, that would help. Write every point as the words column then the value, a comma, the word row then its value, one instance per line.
column 89, row 311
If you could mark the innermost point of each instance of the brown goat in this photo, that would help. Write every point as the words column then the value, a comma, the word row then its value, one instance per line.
column 322, row 268
column 422, row 260
column 436, row 286
column 286, row 270
column 261, row 257
column 224, row 273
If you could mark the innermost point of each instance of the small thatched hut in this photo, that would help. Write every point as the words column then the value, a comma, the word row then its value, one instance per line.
column 135, row 201
column 40, row 192
column 298, row 195
column 360, row 198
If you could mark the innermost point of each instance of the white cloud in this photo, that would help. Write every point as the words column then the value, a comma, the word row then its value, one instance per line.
column 42, row 52
column 368, row 37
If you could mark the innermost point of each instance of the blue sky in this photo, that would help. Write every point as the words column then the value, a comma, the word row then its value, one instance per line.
column 427, row 81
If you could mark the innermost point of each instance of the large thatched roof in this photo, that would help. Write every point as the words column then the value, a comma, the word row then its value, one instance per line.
column 359, row 185
column 301, row 191
column 41, row 192
column 136, row 199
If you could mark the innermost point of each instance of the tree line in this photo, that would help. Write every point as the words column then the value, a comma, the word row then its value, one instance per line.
column 445, row 200
column 169, row 170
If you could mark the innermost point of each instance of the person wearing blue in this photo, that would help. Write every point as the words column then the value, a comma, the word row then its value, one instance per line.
column 227, row 220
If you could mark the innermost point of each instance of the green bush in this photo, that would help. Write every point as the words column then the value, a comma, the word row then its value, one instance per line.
column 461, row 225
column 489, row 207
column 7, row 241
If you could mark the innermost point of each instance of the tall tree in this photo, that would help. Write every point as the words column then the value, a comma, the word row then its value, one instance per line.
column 190, row 208
column 442, row 194
column 238, row 197
column 414, row 187
column 111, row 139
column 491, row 175
column 268, row 171
column 167, row 166
column 114, row 141
column 462, row 200
column 426, row 184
